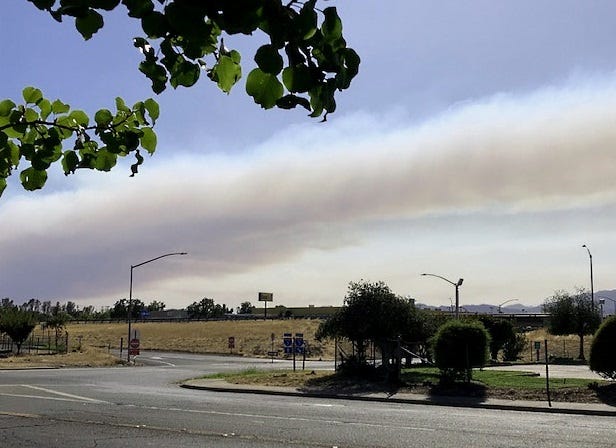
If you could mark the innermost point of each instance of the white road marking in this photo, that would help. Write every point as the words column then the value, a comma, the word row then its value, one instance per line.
column 64, row 394
column 56, row 395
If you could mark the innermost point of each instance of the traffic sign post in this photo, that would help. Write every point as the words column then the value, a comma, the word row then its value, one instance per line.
column 266, row 297
column 287, row 343
column 537, row 348
column 133, row 347
column 231, row 343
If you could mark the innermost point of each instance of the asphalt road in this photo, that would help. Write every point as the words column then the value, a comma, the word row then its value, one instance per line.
column 143, row 406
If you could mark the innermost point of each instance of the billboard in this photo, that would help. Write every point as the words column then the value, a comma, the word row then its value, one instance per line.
column 266, row 297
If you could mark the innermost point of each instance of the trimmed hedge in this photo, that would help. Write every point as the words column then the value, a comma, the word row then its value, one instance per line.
column 458, row 347
column 603, row 349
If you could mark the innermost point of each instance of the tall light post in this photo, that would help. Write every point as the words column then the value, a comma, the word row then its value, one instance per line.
column 130, row 291
column 457, row 286
column 592, row 286
column 506, row 301
column 604, row 298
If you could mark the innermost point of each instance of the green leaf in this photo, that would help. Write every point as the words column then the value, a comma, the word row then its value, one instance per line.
column 184, row 74
column 70, row 162
column 103, row 118
column 138, row 8
column 297, row 78
column 80, row 117
column 58, row 107
column 2, row 185
column 32, row 95
column 291, row 101
column 264, row 88
column 89, row 24
column 152, row 107
column 349, row 70
column 43, row 4
column 156, row 73
column 154, row 25
column 227, row 71
column 6, row 106
column 121, row 105
column 332, row 25
column 148, row 140
column 45, row 108
column 33, row 179
column 31, row 115
column 306, row 21
column 65, row 122
column 269, row 60
column 105, row 160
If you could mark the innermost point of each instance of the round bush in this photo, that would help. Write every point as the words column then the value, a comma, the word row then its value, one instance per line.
column 603, row 349
column 459, row 346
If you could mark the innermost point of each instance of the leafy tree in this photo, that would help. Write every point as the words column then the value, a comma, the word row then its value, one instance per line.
column 305, row 61
column 572, row 314
column 57, row 322
column 501, row 332
column 31, row 305
column 71, row 308
column 459, row 346
column 18, row 324
column 206, row 308
column 603, row 350
column 370, row 313
column 155, row 305
column 245, row 308
column 7, row 303
column 120, row 309
column 512, row 348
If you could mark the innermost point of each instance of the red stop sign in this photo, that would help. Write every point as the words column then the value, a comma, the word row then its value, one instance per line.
column 134, row 343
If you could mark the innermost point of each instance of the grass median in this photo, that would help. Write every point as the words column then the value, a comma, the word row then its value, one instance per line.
column 512, row 385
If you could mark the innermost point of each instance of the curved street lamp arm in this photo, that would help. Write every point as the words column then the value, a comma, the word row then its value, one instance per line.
column 442, row 278
column 158, row 258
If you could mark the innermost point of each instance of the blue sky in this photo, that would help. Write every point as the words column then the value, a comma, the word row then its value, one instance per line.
column 476, row 142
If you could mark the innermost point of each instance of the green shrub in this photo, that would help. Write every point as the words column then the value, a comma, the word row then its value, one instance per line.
column 513, row 348
column 603, row 349
column 460, row 346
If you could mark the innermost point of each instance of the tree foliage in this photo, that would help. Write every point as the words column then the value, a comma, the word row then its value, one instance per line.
column 501, row 333
column 245, row 308
column 603, row 350
column 572, row 314
column 459, row 346
column 17, row 324
column 121, row 307
column 370, row 313
column 205, row 309
column 305, row 61
column 156, row 305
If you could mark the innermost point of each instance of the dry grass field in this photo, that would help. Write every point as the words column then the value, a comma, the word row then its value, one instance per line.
column 87, row 357
column 558, row 346
column 252, row 338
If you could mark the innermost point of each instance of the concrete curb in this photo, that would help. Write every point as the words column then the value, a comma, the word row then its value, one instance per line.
column 592, row 409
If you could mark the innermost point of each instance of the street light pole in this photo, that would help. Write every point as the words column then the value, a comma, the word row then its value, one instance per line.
column 592, row 286
column 130, row 293
column 457, row 286
column 506, row 301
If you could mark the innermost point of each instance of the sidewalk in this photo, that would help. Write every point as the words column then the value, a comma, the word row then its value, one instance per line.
column 596, row 409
